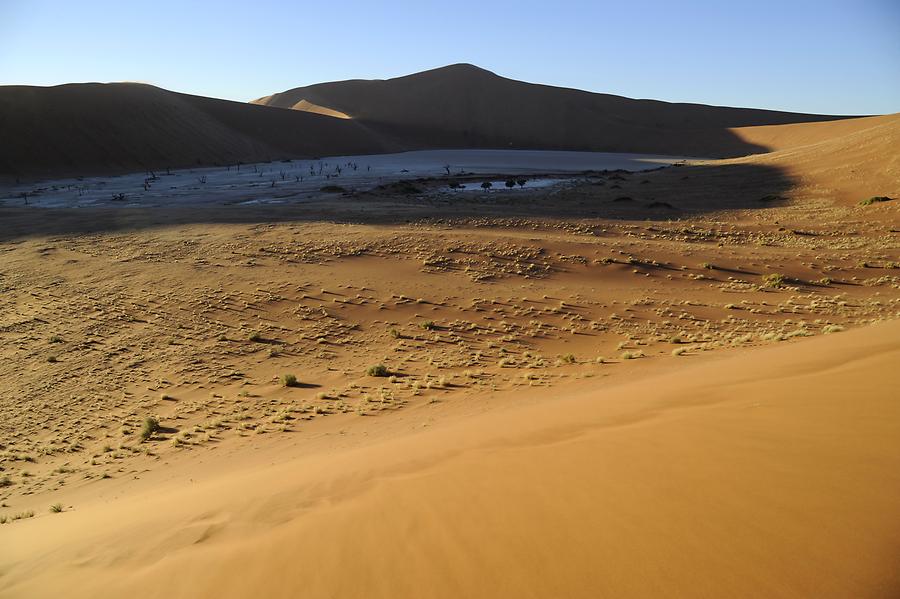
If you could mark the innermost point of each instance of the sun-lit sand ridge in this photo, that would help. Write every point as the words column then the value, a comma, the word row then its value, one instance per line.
column 672, row 383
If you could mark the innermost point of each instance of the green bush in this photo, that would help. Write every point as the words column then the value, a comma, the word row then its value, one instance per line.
column 875, row 200
column 150, row 426
column 378, row 370
column 774, row 280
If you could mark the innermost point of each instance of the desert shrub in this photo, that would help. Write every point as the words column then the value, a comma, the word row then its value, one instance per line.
column 255, row 336
column 832, row 328
column 428, row 325
column 875, row 200
column 774, row 280
column 150, row 426
column 289, row 380
column 568, row 358
column 56, row 508
column 378, row 370
column 402, row 187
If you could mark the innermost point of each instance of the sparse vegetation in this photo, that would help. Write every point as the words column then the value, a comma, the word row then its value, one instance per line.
column 378, row 370
column 289, row 380
column 149, row 427
column 875, row 200
column 774, row 280
column 56, row 508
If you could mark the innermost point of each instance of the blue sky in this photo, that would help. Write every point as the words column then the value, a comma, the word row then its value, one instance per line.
column 826, row 56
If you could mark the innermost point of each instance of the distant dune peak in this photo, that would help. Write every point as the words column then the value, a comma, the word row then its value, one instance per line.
column 463, row 105
column 459, row 67
column 307, row 106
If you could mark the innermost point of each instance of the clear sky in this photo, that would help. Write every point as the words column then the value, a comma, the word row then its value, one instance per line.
column 825, row 56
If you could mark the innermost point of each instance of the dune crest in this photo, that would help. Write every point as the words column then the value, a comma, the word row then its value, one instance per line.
column 466, row 106
column 307, row 106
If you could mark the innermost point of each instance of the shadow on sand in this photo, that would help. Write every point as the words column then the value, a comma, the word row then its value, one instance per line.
column 666, row 194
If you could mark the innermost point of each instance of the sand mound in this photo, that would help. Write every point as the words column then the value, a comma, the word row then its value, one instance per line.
column 851, row 160
column 465, row 106
column 99, row 128
column 772, row 473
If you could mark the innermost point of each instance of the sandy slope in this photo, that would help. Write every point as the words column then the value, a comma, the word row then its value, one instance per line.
column 505, row 459
column 465, row 106
column 850, row 160
column 773, row 473
column 91, row 128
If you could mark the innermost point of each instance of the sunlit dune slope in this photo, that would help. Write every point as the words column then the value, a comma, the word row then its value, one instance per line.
column 772, row 473
column 852, row 160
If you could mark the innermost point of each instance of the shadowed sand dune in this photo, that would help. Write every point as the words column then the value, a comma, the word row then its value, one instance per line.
column 466, row 106
column 90, row 128
column 93, row 128
column 772, row 473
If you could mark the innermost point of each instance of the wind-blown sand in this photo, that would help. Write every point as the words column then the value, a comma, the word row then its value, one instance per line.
column 771, row 473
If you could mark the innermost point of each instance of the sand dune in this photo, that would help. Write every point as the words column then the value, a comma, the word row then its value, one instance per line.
column 850, row 160
column 465, row 106
column 86, row 129
column 90, row 128
column 626, row 385
column 307, row 106
column 773, row 473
